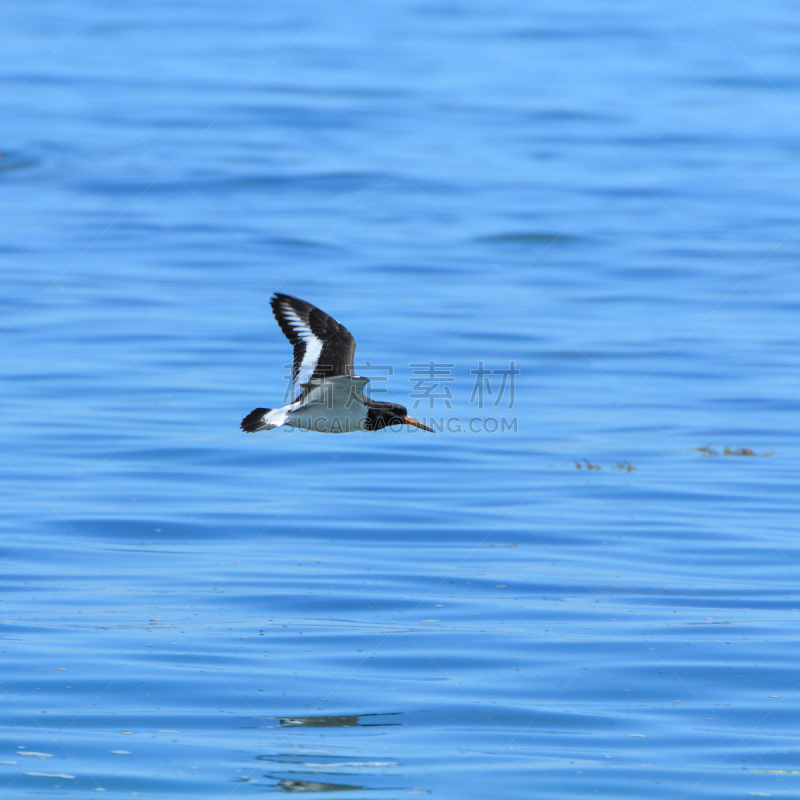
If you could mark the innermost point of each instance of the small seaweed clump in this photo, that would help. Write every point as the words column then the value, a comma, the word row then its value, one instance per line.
column 622, row 466
column 708, row 452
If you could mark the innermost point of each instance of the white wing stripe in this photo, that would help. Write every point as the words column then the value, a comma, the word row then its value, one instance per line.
column 313, row 350
column 313, row 347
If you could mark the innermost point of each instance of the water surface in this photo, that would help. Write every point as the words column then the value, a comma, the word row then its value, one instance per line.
column 571, row 590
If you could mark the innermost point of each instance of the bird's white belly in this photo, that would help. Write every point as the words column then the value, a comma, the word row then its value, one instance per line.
column 321, row 419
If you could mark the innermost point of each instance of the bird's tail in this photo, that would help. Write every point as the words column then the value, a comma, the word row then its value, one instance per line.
column 255, row 421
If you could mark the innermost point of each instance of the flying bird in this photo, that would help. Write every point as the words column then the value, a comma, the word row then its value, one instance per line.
column 329, row 396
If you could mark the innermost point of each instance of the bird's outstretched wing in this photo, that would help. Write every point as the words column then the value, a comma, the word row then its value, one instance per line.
column 323, row 348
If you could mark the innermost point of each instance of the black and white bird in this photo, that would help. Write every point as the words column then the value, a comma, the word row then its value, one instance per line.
column 329, row 396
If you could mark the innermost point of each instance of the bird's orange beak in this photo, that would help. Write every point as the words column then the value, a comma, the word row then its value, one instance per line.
column 417, row 424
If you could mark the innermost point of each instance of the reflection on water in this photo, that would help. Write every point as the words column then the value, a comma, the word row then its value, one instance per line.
column 318, row 771
column 341, row 721
column 313, row 786
column 532, row 238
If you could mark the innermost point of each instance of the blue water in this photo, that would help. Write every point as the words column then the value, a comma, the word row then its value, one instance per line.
column 560, row 593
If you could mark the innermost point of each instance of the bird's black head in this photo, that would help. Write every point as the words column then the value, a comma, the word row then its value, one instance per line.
column 382, row 415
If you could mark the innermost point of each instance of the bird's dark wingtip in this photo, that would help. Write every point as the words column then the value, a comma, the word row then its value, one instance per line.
column 277, row 297
column 254, row 421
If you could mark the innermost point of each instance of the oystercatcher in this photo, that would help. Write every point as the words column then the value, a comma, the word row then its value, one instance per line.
column 329, row 396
